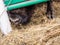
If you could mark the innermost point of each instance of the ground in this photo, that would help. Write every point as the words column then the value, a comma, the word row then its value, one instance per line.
column 40, row 31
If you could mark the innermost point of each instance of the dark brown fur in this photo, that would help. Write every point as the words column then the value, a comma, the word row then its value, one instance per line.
column 23, row 15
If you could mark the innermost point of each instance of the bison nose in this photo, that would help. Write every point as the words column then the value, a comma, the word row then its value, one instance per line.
column 24, row 21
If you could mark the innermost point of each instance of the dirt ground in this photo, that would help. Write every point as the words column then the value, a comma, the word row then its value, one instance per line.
column 40, row 31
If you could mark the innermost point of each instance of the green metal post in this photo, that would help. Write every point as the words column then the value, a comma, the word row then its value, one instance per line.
column 11, row 2
column 24, row 4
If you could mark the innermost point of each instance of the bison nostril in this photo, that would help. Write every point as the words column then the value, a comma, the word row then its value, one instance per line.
column 24, row 20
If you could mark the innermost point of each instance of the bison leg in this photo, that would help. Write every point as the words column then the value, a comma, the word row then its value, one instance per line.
column 49, row 10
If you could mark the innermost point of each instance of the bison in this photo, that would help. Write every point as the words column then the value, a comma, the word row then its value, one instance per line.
column 23, row 15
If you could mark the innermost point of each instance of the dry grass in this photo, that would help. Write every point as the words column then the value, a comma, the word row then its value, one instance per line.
column 40, row 31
